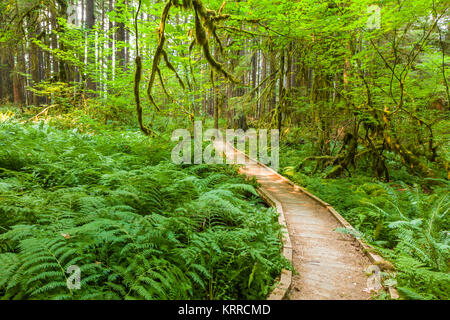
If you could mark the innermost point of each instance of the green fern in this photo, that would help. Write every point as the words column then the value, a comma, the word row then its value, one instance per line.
column 137, row 226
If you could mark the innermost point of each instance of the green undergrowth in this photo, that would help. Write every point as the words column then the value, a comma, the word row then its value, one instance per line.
column 137, row 226
column 405, row 219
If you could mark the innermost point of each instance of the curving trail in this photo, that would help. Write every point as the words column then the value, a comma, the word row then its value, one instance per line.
column 329, row 265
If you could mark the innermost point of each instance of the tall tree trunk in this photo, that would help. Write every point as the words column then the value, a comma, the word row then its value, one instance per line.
column 127, row 39
column 263, row 77
column 63, row 68
column 110, row 44
column 17, row 94
column 34, row 62
column 102, row 52
column 90, row 22
column 273, row 99
column 281, row 91
column 20, row 98
column 3, row 74
column 120, row 36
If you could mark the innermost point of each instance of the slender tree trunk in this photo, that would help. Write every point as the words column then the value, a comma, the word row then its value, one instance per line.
column 34, row 61
column 21, row 79
column 16, row 79
column 90, row 22
column 127, row 39
column 273, row 100
column 102, row 52
column 3, row 74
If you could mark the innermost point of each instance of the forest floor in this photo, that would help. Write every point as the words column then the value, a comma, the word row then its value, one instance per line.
column 79, row 157
column 328, row 264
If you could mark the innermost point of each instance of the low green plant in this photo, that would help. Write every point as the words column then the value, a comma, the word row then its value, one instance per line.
column 406, row 221
column 138, row 226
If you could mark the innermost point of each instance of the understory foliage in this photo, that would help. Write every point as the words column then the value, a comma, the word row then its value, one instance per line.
column 138, row 226
column 359, row 90
column 406, row 220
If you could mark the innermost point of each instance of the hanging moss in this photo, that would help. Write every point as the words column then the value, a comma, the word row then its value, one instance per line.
column 137, row 82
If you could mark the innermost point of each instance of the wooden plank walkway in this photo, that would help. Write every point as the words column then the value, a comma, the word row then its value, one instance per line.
column 328, row 265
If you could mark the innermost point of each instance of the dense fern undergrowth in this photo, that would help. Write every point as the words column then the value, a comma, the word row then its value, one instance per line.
column 138, row 226
column 406, row 219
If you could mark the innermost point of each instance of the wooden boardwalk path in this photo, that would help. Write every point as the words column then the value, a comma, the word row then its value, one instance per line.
column 328, row 265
